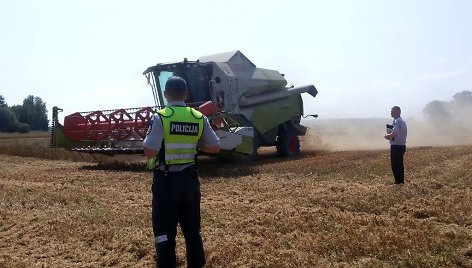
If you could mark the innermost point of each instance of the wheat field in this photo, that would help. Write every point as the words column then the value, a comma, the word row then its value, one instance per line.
column 321, row 209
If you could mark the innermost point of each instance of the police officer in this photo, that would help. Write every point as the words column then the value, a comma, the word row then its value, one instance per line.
column 397, row 137
column 174, row 135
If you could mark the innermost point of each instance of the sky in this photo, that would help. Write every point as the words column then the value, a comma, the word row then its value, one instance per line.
column 363, row 56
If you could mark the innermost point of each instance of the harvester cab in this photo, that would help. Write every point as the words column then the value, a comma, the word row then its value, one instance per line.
column 248, row 107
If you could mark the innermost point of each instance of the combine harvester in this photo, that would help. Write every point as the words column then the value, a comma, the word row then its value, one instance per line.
column 248, row 107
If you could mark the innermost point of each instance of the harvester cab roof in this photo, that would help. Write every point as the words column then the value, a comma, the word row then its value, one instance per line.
column 196, row 74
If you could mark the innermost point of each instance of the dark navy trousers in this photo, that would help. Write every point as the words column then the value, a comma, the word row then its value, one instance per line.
column 176, row 200
column 396, row 158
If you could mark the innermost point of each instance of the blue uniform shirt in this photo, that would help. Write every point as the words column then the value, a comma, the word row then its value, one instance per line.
column 399, row 127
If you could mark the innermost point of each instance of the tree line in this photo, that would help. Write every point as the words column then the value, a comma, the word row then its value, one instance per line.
column 458, row 110
column 31, row 115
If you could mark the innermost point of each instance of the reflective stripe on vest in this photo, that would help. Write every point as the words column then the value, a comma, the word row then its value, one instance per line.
column 183, row 127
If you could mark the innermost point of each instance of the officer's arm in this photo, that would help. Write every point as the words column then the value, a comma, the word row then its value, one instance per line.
column 212, row 149
column 149, row 152
column 152, row 142
column 395, row 131
column 209, row 142
column 391, row 135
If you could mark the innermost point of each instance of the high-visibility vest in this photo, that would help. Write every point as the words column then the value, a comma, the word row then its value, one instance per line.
column 183, row 127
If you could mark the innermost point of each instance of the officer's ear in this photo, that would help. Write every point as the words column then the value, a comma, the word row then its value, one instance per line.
column 184, row 95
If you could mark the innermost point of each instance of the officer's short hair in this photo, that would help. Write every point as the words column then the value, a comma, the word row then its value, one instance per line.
column 176, row 84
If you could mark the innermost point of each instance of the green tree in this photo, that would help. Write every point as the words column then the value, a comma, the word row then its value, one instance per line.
column 436, row 111
column 3, row 103
column 23, row 128
column 33, row 112
column 464, row 97
column 461, row 106
column 8, row 120
column 459, row 109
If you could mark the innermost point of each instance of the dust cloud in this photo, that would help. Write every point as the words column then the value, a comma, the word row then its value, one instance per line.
column 367, row 134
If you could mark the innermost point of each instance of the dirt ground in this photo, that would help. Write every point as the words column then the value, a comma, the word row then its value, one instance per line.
column 333, row 206
column 321, row 209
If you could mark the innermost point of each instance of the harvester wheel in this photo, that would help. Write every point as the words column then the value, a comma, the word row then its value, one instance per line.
column 288, row 143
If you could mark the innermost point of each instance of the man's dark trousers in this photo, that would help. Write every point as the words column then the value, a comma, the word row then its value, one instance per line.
column 396, row 158
column 176, row 200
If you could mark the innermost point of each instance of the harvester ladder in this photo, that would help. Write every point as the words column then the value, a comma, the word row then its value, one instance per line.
column 233, row 99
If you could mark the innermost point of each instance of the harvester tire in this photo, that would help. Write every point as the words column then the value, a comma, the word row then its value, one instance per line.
column 288, row 143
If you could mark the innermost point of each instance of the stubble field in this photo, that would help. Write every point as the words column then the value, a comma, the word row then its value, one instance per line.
column 325, row 208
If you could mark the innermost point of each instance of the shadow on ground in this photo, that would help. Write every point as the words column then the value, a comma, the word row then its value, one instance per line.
column 209, row 167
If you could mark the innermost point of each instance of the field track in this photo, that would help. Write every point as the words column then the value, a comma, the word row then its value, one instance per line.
column 322, row 209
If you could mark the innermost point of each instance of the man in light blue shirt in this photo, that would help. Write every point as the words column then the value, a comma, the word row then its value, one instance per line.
column 397, row 137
